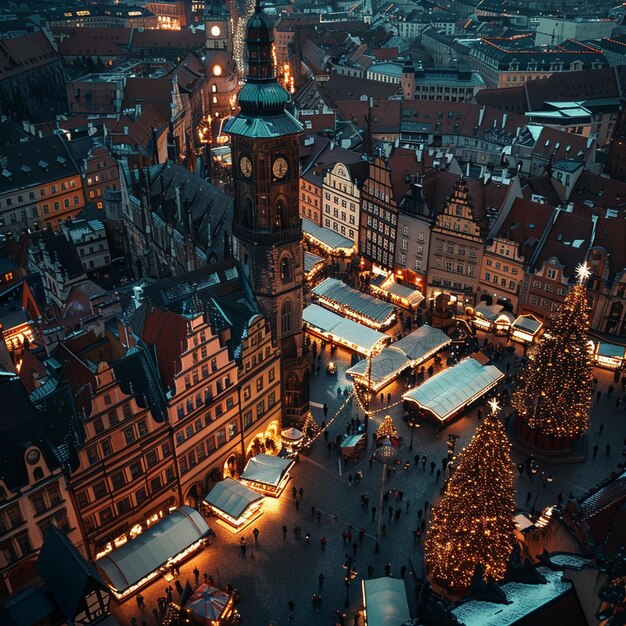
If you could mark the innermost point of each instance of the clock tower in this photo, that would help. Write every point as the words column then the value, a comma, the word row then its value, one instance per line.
column 267, row 229
column 217, row 25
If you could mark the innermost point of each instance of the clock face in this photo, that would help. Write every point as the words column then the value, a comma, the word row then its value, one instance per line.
column 246, row 166
column 215, row 31
column 32, row 457
column 280, row 167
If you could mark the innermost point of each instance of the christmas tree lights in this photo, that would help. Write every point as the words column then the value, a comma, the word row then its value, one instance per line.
column 387, row 429
column 554, row 390
column 473, row 523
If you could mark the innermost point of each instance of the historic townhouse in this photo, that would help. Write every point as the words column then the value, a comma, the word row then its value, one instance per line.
column 457, row 239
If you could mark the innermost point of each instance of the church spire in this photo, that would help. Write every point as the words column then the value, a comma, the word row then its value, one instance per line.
column 259, row 40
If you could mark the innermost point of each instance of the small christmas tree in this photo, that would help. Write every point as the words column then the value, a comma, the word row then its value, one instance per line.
column 472, row 525
column 310, row 428
column 387, row 429
column 555, row 389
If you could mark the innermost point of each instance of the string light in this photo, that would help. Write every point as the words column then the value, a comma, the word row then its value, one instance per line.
column 387, row 429
column 472, row 525
column 554, row 391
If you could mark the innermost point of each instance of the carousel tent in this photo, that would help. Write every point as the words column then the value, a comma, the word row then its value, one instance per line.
column 267, row 469
column 338, row 295
column 207, row 604
column 231, row 497
column 407, row 295
column 327, row 238
column 349, row 333
column 385, row 601
column 410, row 351
column 291, row 434
column 448, row 392
column 153, row 548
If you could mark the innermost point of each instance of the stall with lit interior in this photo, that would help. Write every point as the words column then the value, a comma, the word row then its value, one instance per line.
column 401, row 295
column 329, row 326
column 208, row 606
column 154, row 551
column 351, row 445
column 234, row 503
column 385, row 601
column 451, row 391
column 410, row 352
column 313, row 265
column 327, row 240
column 349, row 302
column 266, row 474
column 492, row 318
column 608, row 355
column 525, row 328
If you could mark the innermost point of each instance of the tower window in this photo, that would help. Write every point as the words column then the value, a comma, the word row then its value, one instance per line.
column 285, row 317
column 285, row 269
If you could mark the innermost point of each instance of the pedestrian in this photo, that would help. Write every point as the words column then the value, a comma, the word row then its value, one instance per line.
column 355, row 545
column 618, row 401
column 382, row 398
column 325, row 410
column 611, row 390
column 479, row 414
column 133, row 621
column 350, row 479
column 320, row 579
column 388, row 569
column 307, row 537
column 361, row 534
column 438, row 474
column 416, row 459
column 595, row 451
column 400, row 495
column 370, row 571
column 211, row 581
column 243, row 549
column 155, row 613
column 373, row 512
column 284, row 529
column 608, row 449
column 433, row 465
column 301, row 492
column 140, row 602
column 319, row 516
column 390, row 511
column 426, row 505
column 397, row 514
column 601, row 429
column 424, row 459
column 196, row 575
column 419, row 514
column 402, row 571
column 366, row 502
column 371, row 461
column 170, row 595
column 291, row 606
column 323, row 541
column 294, row 492
column 344, row 536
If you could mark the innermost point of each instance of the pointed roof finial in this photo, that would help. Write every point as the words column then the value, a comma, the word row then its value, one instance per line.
column 257, row 6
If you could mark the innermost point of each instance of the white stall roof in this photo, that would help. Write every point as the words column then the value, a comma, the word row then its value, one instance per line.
column 389, row 285
column 310, row 261
column 363, row 304
column 364, row 338
column 385, row 601
column 327, row 237
column 384, row 365
column 231, row 497
column 528, row 323
column 611, row 350
column 490, row 312
column 150, row 550
column 266, row 469
column 453, row 388
column 422, row 341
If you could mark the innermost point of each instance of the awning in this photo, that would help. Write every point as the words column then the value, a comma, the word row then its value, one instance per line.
column 448, row 392
column 231, row 497
column 407, row 295
column 327, row 238
column 528, row 324
column 311, row 261
column 153, row 548
column 410, row 351
column 207, row 604
column 337, row 295
column 267, row 469
column 349, row 333
column 385, row 601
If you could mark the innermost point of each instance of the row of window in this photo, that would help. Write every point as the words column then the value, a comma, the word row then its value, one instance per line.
column 346, row 232
column 499, row 265
column 460, row 251
column 385, row 214
column 543, row 303
column 32, row 195
column 459, row 268
column 561, row 291
column 502, row 281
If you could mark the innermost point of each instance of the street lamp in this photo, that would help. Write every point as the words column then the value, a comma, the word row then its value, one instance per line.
column 386, row 455
column 545, row 479
column 413, row 425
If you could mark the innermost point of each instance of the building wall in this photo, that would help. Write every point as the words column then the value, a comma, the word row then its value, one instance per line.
column 544, row 290
column 341, row 200
column 412, row 250
column 502, row 271
column 311, row 201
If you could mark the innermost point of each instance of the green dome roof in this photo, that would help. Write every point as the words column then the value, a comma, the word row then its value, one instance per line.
column 263, row 98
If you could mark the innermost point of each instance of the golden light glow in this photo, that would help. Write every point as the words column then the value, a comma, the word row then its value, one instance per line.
column 494, row 406
column 472, row 525
column 217, row 70
column 583, row 272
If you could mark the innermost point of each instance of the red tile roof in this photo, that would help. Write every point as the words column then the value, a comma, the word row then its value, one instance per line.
column 22, row 54
column 557, row 144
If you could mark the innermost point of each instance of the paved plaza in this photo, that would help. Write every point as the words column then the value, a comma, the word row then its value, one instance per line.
column 278, row 570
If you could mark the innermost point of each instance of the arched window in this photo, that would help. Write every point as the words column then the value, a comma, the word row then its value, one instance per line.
column 38, row 473
column 285, row 269
column 616, row 310
column 285, row 317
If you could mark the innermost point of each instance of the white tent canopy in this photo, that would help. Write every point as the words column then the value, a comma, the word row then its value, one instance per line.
column 339, row 295
column 267, row 469
column 410, row 351
column 232, row 498
column 327, row 238
column 385, row 601
column 492, row 312
column 528, row 323
column 349, row 333
column 388, row 285
column 446, row 393
column 153, row 548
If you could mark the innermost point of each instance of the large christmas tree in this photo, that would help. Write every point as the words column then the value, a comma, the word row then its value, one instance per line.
column 473, row 522
column 554, row 391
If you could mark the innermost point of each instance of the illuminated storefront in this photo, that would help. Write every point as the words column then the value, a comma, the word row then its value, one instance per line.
column 525, row 329
column 387, row 287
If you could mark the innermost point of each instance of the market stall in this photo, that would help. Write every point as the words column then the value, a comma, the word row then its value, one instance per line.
column 609, row 355
column 525, row 328
column 327, row 240
column 154, row 551
column 492, row 318
column 385, row 601
column 313, row 265
column 337, row 296
column 447, row 393
column 208, row 606
column 347, row 333
column 352, row 445
column 387, row 287
column 267, row 474
column 234, row 503
column 410, row 352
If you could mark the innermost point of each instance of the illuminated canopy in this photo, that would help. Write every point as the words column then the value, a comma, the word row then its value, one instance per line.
column 528, row 324
column 347, row 332
column 385, row 601
column 267, row 469
column 153, row 548
column 448, row 392
column 326, row 238
column 387, row 285
column 337, row 295
column 232, row 498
